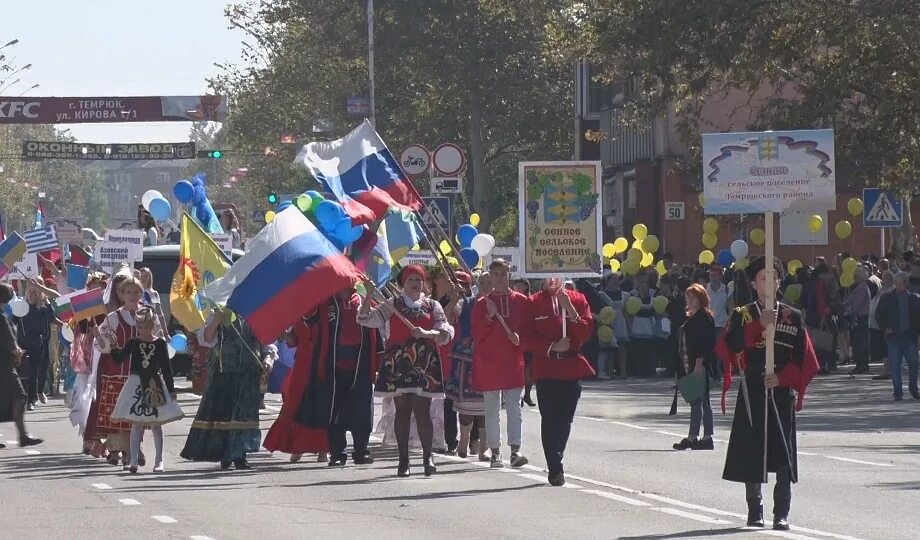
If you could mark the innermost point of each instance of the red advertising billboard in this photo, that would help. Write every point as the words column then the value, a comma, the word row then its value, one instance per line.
column 78, row 110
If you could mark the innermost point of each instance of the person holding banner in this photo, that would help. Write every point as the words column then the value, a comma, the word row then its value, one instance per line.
column 763, row 434
column 12, row 395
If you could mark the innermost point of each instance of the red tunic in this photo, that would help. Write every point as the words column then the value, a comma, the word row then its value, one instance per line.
column 498, row 364
column 544, row 327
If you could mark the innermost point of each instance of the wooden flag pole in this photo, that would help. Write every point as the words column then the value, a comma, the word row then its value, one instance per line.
column 769, row 304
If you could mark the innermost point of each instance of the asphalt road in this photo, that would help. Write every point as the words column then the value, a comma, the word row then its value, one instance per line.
column 859, row 468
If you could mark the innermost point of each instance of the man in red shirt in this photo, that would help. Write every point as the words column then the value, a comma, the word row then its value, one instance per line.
column 498, row 360
column 558, row 323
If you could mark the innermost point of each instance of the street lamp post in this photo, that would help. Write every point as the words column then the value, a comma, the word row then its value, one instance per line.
column 20, row 70
column 33, row 87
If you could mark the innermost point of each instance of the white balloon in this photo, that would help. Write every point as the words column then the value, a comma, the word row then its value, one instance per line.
column 150, row 195
column 483, row 244
column 19, row 307
column 739, row 249
column 170, row 350
column 67, row 332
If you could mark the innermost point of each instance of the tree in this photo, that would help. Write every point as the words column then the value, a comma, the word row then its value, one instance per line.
column 853, row 65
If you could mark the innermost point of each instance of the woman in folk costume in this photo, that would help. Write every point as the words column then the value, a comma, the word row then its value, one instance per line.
column 330, row 390
column 413, row 325
column 226, row 427
column 84, row 359
column 767, row 402
column 119, row 327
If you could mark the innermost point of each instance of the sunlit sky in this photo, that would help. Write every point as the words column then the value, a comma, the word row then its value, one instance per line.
column 100, row 48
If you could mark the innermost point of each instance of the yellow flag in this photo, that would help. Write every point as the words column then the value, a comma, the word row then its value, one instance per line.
column 200, row 262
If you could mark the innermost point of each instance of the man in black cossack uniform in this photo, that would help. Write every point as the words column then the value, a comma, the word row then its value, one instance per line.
column 767, row 402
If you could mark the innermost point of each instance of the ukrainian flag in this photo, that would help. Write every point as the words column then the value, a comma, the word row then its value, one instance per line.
column 200, row 262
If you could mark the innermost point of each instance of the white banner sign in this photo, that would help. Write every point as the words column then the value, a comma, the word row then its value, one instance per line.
column 135, row 238
column 794, row 231
column 512, row 256
column 225, row 242
column 422, row 257
column 27, row 266
column 109, row 255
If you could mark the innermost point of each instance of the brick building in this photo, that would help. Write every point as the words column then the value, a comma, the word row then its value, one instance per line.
column 126, row 182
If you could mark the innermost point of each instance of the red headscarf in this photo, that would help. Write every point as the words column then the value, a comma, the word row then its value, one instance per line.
column 410, row 270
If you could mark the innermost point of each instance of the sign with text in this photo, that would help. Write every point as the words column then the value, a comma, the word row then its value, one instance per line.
column 27, row 266
column 512, row 256
column 794, row 231
column 770, row 171
column 69, row 231
column 423, row 257
column 135, row 238
column 109, row 255
column 110, row 152
column 78, row 110
column 674, row 211
column 560, row 218
column 225, row 242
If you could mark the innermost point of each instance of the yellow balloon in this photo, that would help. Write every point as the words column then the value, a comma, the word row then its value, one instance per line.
column 647, row 260
column 637, row 244
column 849, row 265
column 758, row 237
column 621, row 244
column 635, row 254
column 630, row 267
column 605, row 335
column 269, row 216
column 815, row 223
column 614, row 265
column 710, row 240
column 608, row 250
column 793, row 293
column 416, row 247
column 855, row 206
column 710, row 225
column 660, row 303
column 453, row 262
column 742, row 263
column 606, row 315
column 843, row 229
column 633, row 305
column 847, row 279
column 474, row 220
column 660, row 268
column 640, row 231
column 445, row 247
column 702, row 200
column 794, row 266
column 651, row 244
column 706, row 257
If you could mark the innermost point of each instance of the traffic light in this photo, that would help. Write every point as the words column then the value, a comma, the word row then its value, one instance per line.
column 273, row 198
column 211, row 154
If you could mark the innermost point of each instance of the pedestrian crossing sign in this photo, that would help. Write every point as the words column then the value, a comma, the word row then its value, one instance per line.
column 437, row 212
column 882, row 208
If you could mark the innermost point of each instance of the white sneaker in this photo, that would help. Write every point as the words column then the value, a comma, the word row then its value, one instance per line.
column 43, row 398
column 158, row 467
column 496, row 461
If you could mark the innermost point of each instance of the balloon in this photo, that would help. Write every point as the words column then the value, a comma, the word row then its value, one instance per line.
column 725, row 258
column 843, row 229
column 269, row 216
column 651, row 244
column 637, row 244
column 710, row 240
column 620, row 244
column 609, row 250
column 469, row 256
column 815, row 223
column 605, row 335
column 702, row 199
column 474, row 220
column 739, row 249
column 793, row 293
column 303, row 203
column 640, row 231
column 849, row 265
column 179, row 342
column 630, row 267
column 19, row 307
column 317, row 199
column 710, row 225
column 606, row 315
column 465, row 234
column 706, row 257
column 793, row 266
column 67, row 333
column 483, row 244
column 183, row 191
column 758, row 237
column 635, row 254
column 742, row 263
column 660, row 303
column 346, row 232
column 160, row 209
column 149, row 196
column 445, row 247
column 170, row 350
column 361, row 290
column 283, row 206
column 614, row 265
column 312, row 194
column 328, row 213
column 647, row 260
column 633, row 305
column 847, row 279
column 855, row 206
column 660, row 268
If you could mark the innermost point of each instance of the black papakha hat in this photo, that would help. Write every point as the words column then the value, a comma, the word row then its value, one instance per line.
column 759, row 264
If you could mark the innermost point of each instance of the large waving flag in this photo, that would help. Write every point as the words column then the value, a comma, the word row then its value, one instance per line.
column 87, row 303
column 371, row 255
column 290, row 268
column 403, row 233
column 362, row 174
column 200, row 262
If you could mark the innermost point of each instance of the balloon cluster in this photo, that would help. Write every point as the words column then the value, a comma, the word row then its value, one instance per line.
column 193, row 194
column 328, row 216
column 154, row 202
column 640, row 255
column 474, row 245
column 847, row 277
column 605, row 317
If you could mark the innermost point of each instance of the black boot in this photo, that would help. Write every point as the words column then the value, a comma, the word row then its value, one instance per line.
column 241, row 464
column 782, row 500
column 428, row 464
column 402, row 470
column 755, row 505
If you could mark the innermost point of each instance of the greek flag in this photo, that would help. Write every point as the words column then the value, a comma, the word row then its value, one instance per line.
column 38, row 240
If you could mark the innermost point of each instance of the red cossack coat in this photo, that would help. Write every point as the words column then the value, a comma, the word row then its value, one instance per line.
column 498, row 364
column 544, row 320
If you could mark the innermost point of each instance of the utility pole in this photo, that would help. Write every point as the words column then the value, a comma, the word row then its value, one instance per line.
column 372, row 109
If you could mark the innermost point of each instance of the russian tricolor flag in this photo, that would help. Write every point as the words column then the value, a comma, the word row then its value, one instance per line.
column 362, row 174
column 289, row 268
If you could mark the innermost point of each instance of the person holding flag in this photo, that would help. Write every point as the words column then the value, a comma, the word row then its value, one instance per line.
column 12, row 395
column 34, row 335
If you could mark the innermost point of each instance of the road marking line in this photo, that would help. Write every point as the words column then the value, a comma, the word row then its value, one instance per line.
column 690, row 515
column 803, row 453
column 533, row 477
column 102, row 486
column 669, row 433
column 12, row 443
column 783, row 534
column 603, row 484
column 591, row 418
column 615, row 497
column 272, row 408
column 32, row 452
column 201, row 538
column 822, row 533
column 690, row 506
column 624, row 424
column 569, row 485
column 859, row 461
column 164, row 519
column 128, row 502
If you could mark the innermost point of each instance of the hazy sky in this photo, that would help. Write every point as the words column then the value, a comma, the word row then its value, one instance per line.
column 119, row 48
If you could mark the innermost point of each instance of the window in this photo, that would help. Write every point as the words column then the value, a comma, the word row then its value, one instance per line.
column 600, row 93
column 163, row 178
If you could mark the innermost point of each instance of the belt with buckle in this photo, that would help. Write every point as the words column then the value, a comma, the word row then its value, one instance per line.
column 559, row 355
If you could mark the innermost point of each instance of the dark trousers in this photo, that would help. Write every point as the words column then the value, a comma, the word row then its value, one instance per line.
column 859, row 341
column 782, row 494
column 450, row 425
column 37, row 372
column 353, row 410
column 557, row 400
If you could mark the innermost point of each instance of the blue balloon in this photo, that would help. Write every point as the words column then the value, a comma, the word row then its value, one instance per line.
column 346, row 232
column 329, row 213
column 465, row 234
column 184, row 191
column 725, row 258
column 312, row 194
column 283, row 206
column 179, row 342
column 470, row 257
column 160, row 209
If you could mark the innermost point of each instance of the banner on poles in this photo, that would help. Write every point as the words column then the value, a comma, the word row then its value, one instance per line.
column 560, row 218
column 770, row 171
column 70, row 110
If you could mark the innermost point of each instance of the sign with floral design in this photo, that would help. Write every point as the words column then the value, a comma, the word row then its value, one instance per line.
column 560, row 218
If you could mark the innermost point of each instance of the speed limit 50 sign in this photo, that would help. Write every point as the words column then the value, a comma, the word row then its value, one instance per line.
column 673, row 211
